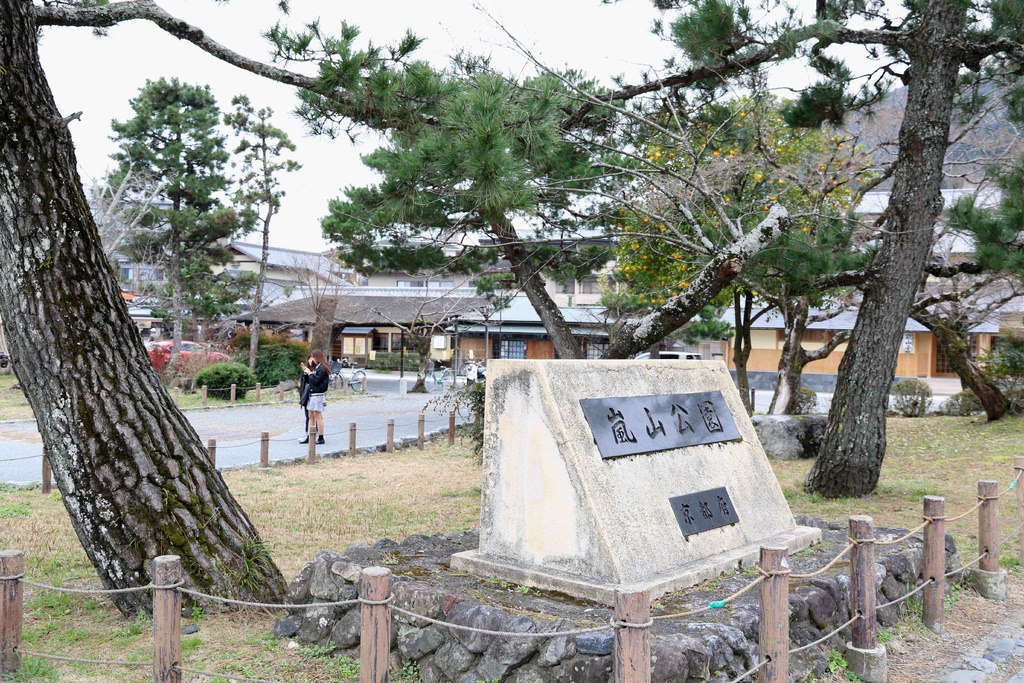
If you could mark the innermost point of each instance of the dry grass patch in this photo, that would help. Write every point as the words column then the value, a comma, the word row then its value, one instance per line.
column 13, row 404
column 298, row 509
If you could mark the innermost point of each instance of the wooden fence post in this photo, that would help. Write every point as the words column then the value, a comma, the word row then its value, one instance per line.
column 352, row 439
column 375, row 636
column 12, row 591
column 259, row 392
column 391, row 436
column 934, row 561
column 177, row 396
column 204, row 395
column 311, row 455
column 988, row 525
column 344, row 385
column 451, row 427
column 233, row 390
column 280, row 391
column 632, row 645
column 773, row 635
column 1018, row 467
column 753, row 397
column 866, row 658
column 264, row 449
column 420, row 437
column 862, row 581
column 211, row 448
column 47, row 473
column 166, row 620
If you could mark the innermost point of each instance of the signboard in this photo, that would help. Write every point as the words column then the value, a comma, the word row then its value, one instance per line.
column 631, row 425
column 703, row 511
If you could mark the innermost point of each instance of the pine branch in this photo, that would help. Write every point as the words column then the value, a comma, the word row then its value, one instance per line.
column 103, row 16
column 938, row 269
column 823, row 352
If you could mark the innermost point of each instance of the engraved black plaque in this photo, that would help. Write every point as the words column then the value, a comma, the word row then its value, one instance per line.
column 630, row 425
column 703, row 511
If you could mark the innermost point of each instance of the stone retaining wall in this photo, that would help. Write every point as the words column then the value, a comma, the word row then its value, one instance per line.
column 714, row 646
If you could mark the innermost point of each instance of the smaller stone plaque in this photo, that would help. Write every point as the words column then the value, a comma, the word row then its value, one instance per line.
column 703, row 511
column 630, row 425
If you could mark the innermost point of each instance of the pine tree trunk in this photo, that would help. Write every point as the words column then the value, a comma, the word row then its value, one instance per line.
column 854, row 445
column 320, row 336
column 261, row 280
column 532, row 284
column 421, row 344
column 791, row 363
column 132, row 472
column 953, row 339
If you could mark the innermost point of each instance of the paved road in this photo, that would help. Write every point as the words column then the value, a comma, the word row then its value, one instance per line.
column 237, row 431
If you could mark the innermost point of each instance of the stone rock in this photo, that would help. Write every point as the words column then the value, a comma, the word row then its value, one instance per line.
column 288, row 626
column 1008, row 644
column 747, row 621
column 419, row 643
column 348, row 571
column 189, row 630
column 532, row 674
column 385, row 544
column 363, row 554
column 790, row 437
column 669, row 659
column 999, row 656
column 900, row 568
column 732, row 637
column 476, row 616
column 346, row 632
column 453, row 659
column 317, row 624
column 421, row 599
column 585, row 670
column 324, row 584
column 964, row 677
column 464, row 539
column 600, row 643
column 417, row 543
column 429, row 673
column 798, row 609
column 298, row 589
column 554, row 651
column 980, row 664
column 508, row 652
column 830, row 585
column 820, row 605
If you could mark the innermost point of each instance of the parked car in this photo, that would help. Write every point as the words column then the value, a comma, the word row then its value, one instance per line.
column 160, row 353
column 669, row 355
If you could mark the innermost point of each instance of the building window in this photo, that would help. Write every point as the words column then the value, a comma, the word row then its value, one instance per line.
column 942, row 365
column 515, row 350
column 566, row 288
column 592, row 285
column 127, row 273
column 380, row 342
column 596, row 350
column 410, row 283
column 445, row 284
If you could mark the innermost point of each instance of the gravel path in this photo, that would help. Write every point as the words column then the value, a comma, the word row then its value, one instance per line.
column 237, row 431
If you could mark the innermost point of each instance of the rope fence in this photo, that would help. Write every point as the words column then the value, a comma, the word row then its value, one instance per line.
column 631, row 624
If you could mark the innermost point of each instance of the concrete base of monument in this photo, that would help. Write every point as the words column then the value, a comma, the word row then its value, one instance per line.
column 686, row 576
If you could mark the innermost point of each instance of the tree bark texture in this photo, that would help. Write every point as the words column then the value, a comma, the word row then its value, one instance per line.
column 133, row 474
column 792, row 360
column 953, row 338
column 854, row 445
column 320, row 336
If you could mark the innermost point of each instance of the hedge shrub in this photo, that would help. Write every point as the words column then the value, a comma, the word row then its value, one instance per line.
column 218, row 379
column 911, row 397
column 277, row 357
column 806, row 401
column 962, row 404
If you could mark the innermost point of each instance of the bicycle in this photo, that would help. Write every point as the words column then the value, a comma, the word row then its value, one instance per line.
column 356, row 378
column 442, row 377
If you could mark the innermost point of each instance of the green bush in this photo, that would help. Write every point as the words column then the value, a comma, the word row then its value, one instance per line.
column 385, row 360
column 219, row 378
column 806, row 401
column 962, row 404
column 911, row 397
column 277, row 357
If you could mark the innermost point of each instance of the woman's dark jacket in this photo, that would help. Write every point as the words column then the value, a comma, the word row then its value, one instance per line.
column 319, row 380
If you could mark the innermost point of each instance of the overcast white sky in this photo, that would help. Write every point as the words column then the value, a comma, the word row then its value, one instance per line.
column 98, row 76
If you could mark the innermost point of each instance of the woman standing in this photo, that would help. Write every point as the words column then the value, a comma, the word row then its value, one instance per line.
column 317, row 380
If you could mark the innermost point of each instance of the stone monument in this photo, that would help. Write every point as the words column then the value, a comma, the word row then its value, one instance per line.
column 604, row 476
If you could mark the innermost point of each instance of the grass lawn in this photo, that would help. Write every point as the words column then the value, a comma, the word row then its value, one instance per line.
column 302, row 509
